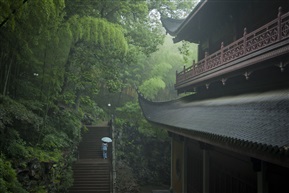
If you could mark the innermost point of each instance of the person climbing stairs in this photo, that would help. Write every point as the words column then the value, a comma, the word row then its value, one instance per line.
column 92, row 173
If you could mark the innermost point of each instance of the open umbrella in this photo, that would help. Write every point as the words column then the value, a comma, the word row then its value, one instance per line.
column 106, row 139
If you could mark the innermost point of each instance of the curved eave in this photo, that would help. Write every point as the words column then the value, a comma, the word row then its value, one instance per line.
column 256, row 122
column 172, row 25
column 176, row 26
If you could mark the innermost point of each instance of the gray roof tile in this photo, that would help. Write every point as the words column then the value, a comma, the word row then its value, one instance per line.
column 259, row 118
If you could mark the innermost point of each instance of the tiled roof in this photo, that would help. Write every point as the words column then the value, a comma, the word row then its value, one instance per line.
column 171, row 25
column 259, row 119
column 175, row 26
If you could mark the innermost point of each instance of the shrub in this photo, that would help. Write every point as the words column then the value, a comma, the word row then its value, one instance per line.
column 8, row 178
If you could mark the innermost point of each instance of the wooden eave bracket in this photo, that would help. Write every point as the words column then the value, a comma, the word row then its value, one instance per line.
column 282, row 65
column 224, row 81
column 247, row 74
column 207, row 85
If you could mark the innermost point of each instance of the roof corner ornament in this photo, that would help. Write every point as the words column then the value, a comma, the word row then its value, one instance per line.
column 224, row 81
column 247, row 74
column 282, row 66
column 285, row 149
column 138, row 91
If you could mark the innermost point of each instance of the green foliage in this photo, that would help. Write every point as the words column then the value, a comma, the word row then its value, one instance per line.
column 174, row 9
column 43, row 149
column 130, row 112
column 137, row 140
column 56, row 56
column 145, row 38
column 137, row 137
column 99, row 32
column 188, row 51
column 155, row 75
column 17, row 150
column 151, row 87
column 8, row 178
column 125, row 178
column 11, row 110
column 55, row 141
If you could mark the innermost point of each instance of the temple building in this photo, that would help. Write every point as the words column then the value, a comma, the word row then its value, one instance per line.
column 231, row 135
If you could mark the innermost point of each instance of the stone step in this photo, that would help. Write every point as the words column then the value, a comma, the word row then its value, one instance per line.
column 81, row 173
column 80, row 190
column 100, row 173
column 95, row 180
column 91, row 184
column 91, row 172
column 89, row 167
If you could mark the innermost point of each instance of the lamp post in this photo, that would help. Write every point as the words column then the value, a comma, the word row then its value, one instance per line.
column 109, row 115
column 113, row 148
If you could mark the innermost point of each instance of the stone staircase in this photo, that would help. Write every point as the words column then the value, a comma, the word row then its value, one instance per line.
column 92, row 173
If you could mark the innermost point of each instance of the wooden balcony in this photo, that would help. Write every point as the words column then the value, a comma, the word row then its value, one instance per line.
column 268, row 42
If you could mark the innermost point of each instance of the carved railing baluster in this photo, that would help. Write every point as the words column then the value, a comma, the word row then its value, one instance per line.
column 206, row 61
column 245, row 40
column 279, row 24
column 222, row 53
column 185, row 73
column 272, row 32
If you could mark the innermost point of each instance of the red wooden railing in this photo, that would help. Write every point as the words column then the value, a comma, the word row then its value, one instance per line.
column 271, row 33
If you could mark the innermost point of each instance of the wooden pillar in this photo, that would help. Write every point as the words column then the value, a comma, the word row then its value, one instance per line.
column 206, row 170
column 259, row 167
column 172, row 140
column 177, row 164
column 185, row 157
column 262, row 184
column 206, row 167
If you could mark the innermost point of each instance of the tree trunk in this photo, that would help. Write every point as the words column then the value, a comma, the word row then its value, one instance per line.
column 7, row 77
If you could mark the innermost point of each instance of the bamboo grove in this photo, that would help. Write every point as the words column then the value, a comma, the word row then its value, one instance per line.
column 56, row 58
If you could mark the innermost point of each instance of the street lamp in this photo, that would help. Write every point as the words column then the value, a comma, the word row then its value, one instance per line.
column 109, row 115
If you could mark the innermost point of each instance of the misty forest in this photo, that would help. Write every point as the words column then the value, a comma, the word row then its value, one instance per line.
column 61, row 64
